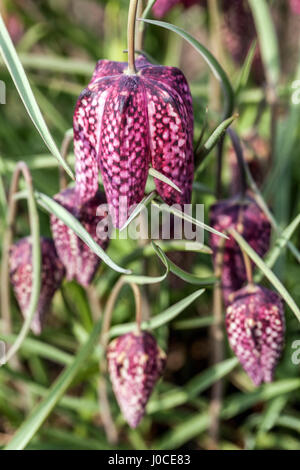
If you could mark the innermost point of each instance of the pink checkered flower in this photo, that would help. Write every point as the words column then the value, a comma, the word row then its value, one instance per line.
column 52, row 272
column 122, row 122
column 80, row 261
column 135, row 363
column 255, row 327
column 248, row 219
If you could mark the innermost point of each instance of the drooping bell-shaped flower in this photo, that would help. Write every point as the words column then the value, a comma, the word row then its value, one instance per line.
column 135, row 363
column 246, row 217
column 162, row 7
column 52, row 273
column 122, row 122
column 255, row 326
column 80, row 261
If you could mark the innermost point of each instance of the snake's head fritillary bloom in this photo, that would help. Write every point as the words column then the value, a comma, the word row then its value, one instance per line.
column 122, row 123
column 80, row 261
column 255, row 327
column 52, row 273
column 135, row 363
column 246, row 217
column 162, row 7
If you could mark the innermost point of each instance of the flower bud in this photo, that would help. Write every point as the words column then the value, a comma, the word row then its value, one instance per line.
column 52, row 272
column 135, row 363
column 255, row 327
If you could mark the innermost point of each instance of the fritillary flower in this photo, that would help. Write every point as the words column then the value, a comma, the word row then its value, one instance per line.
column 52, row 273
column 80, row 261
column 135, row 363
column 255, row 326
column 122, row 122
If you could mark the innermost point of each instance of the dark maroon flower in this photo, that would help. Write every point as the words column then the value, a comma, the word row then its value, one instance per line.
column 239, row 32
column 295, row 6
column 80, row 261
column 162, row 7
column 247, row 218
column 122, row 121
column 52, row 272
column 255, row 326
column 256, row 151
column 135, row 363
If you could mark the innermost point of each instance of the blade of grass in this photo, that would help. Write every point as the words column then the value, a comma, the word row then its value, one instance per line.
column 159, row 176
column 280, row 244
column 187, row 217
column 216, row 68
column 40, row 413
column 267, row 39
column 19, row 77
column 53, row 207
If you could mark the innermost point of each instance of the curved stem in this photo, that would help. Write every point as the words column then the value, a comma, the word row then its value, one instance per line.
column 140, row 28
column 217, row 337
column 68, row 137
column 131, row 36
column 248, row 267
column 21, row 168
column 107, row 316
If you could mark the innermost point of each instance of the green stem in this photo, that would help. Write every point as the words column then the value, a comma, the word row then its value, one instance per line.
column 21, row 168
column 68, row 137
column 131, row 36
column 140, row 28
column 217, row 337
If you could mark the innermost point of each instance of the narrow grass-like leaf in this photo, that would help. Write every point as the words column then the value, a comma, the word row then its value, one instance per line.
column 19, row 77
column 194, row 387
column 67, row 218
column 193, row 323
column 281, row 242
column 32, row 346
column 40, row 413
column 233, row 406
column 161, row 319
column 159, row 176
column 267, row 272
column 267, row 39
column 151, row 279
column 272, row 413
column 57, row 64
column 216, row 68
column 185, row 276
column 177, row 245
column 144, row 203
column 187, row 217
column 245, row 73
column 212, row 142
